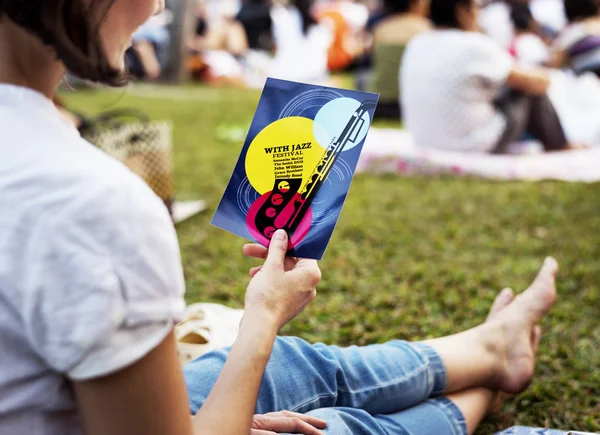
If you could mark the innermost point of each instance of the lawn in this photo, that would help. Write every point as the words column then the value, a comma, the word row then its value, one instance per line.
column 411, row 258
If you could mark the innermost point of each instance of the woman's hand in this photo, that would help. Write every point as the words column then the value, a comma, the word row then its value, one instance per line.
column 286, row 422
column 283, row 286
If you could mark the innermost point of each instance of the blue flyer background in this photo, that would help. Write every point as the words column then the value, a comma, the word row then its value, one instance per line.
column 281, row 99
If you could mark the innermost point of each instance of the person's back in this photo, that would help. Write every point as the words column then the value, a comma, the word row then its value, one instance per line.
column 78, row 232
column 449, row 80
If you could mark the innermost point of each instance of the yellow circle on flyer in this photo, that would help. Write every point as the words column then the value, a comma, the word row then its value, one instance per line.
column 287, row 142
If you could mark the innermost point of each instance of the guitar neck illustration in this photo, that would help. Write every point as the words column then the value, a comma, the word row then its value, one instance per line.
column 310, row 190
column 288, row 202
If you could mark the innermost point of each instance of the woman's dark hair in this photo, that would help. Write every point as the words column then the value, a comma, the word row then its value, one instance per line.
column 397, row 6
column 580, row 9
column 443, row 12
column 305, row 9
column 521, row 16
column 72, row 29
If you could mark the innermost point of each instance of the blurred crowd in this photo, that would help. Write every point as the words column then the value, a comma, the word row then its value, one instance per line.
column 479, row 72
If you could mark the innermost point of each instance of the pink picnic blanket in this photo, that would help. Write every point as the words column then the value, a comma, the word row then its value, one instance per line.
column 393, row 151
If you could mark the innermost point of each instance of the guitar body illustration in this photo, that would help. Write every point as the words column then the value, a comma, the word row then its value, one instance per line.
column 270, row 214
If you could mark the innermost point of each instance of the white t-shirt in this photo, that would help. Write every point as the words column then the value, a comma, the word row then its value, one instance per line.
column 90, row 270
column 449, row 80
column 299, row 56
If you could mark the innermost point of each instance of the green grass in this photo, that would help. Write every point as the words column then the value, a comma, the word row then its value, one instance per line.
column 410, row 258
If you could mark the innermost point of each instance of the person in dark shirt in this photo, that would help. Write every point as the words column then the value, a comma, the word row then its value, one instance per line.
column 255, row 16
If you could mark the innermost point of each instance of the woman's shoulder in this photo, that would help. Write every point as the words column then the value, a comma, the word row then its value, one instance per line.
column 61, row 173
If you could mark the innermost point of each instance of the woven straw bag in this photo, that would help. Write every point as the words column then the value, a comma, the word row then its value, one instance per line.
column 142, row 145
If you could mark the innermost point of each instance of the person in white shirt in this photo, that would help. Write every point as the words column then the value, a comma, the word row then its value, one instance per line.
column 578, row 46
column 461, row 91
column 301, row 43
column 91, row 285
column 495, row 20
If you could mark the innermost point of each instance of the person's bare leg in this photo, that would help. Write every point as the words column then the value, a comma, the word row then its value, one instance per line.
column 499, row 354
column 474, row 405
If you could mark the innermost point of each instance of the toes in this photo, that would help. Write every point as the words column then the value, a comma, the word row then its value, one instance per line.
column 547, row 274
column 504, row 298
column 541, row 294
column 536, row 336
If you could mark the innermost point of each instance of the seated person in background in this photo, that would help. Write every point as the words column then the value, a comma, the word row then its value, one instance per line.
column 461, row 91
column 301, row 43
column 495, row 19
column 219, row 32
column 218, row 44
column 148, row 54
column 255, row 17
column 578, row 46
column 527, row 47
column 406, row 18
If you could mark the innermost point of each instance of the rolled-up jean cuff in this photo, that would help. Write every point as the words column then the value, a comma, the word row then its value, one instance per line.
column 454, row 414
column 437, row 369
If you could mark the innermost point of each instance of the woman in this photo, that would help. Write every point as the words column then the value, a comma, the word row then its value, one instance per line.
column 405, row 19
column 91, row 285
column 461, row 91
column 578, row 46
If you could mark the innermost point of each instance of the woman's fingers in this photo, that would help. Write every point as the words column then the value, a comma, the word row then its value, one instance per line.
column 307, row 271
column 261, row 432
column 254, row 271
column 258, row 251
column 255, row 250
column 288, row 425
column 316, row 422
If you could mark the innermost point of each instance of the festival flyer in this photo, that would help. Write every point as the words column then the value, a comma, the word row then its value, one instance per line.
column 296, row 165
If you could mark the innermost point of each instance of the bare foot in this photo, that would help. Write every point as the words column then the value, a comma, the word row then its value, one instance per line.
column 512, row 333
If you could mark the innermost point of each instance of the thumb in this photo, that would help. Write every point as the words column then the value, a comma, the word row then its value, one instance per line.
column 277, row 250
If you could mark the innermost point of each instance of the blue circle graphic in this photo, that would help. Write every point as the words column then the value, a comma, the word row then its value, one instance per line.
column 333, row 118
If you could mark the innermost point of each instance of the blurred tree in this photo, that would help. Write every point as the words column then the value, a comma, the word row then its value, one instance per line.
column 182, row 29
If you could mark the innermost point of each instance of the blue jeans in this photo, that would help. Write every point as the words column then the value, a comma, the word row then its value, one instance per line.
column 385, row 389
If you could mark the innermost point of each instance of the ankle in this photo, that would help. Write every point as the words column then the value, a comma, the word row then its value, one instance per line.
column 493, row 345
